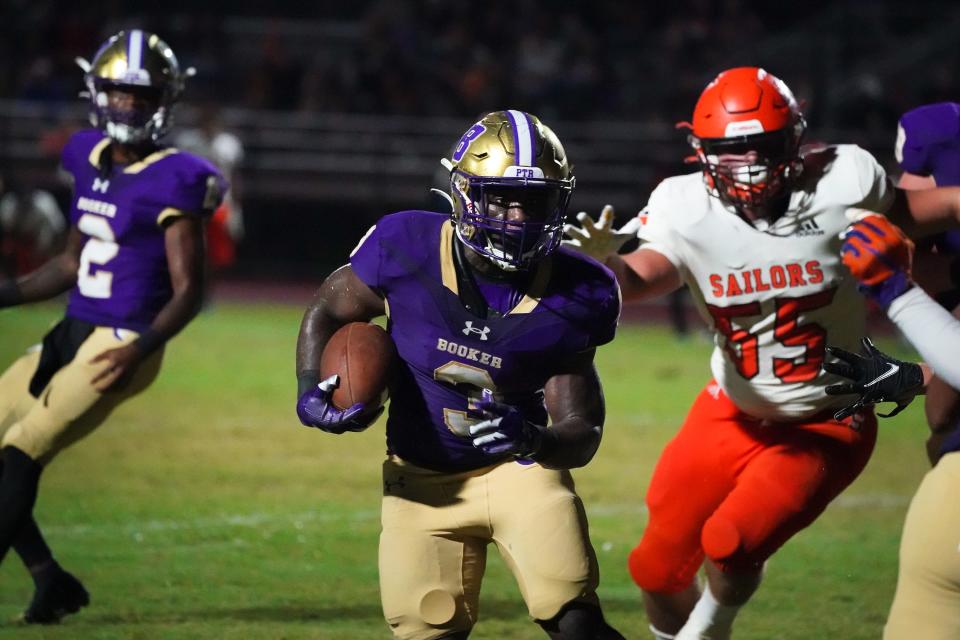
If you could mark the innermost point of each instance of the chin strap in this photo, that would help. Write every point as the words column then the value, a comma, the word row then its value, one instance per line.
column 470, row 294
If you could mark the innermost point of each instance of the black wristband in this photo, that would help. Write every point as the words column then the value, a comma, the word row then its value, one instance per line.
column 544, row 444
column 10, row 294
column 307, row 380
column 149, row 341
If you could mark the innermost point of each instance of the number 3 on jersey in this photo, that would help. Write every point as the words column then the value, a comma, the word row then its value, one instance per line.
column 742, row 346
column 475, row 379
column 101, row 248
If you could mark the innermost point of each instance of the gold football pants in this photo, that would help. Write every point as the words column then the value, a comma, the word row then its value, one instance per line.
column 436, row 528
column 926, row 605
column 69, row 407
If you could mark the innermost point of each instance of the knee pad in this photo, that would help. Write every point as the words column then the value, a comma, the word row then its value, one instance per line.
column 720, row 538
column 437, row 607
column 724, row 543
column 654, row 570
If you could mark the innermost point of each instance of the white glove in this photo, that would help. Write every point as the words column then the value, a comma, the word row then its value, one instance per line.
column 599, row 240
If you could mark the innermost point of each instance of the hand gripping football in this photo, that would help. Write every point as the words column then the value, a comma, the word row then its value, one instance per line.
column 362, row 354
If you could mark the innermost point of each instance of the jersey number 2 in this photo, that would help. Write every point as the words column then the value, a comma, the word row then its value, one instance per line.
column 100, row 249
column 741, row 345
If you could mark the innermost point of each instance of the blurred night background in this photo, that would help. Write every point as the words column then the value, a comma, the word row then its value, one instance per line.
column 343, row 109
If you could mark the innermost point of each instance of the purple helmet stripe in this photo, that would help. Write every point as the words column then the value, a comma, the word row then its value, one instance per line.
column 135, row 50
column 523, row 142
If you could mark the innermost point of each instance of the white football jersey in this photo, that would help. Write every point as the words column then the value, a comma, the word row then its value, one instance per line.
column 775, row 296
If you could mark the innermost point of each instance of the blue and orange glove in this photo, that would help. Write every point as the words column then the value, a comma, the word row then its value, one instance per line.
column 316, row 409
column 879, row 256
column 503, row 429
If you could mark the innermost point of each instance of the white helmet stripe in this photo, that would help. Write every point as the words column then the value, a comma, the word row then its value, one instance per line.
column 522, row 137
column 135, row 52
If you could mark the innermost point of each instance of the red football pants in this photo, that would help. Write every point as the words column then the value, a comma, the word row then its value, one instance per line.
column 734, row 488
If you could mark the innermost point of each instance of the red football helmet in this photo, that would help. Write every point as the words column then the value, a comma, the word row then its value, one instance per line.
column 747, row 130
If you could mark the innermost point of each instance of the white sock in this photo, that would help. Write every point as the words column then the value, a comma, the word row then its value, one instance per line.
column 660, row 635
column 709, row 619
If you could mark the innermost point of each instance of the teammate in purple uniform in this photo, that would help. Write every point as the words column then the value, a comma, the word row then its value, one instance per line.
column 133, row 264
column 496, row 329
column 927, row 599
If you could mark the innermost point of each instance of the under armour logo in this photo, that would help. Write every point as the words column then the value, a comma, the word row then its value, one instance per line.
column 468, row 328
column 101, row 185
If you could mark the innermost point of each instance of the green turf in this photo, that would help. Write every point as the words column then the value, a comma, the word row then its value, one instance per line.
column 203, row 509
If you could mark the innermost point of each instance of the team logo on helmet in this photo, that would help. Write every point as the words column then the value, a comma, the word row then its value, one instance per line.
column 507, row 161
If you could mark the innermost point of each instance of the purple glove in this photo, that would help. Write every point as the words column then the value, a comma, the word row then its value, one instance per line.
column 315, row 409
column 502, row 429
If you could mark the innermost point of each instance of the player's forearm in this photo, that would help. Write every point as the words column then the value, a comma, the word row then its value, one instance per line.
column 643, row 274
column 51, row 279
column 316, row 328
column 173, row 317
column 568, row 444
column 942, row 406
column 928, row 210
column 932, row 330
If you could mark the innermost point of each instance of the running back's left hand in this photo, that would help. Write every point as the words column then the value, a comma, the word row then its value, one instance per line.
column 502, row 429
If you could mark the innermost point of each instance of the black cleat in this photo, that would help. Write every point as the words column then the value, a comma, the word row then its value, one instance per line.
column 59, row 596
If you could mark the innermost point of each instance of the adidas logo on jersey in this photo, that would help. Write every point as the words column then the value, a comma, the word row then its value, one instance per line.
column 809, row 228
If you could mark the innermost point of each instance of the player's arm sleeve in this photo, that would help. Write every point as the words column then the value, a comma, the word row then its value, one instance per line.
column 656, row 232
column 911, row 154
column 195, row 192
column 367, row 257
column 609, row 315
column 876, row 188
column 932, row 330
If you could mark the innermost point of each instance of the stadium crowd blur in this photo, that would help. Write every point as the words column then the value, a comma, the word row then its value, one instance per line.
column 857, row 65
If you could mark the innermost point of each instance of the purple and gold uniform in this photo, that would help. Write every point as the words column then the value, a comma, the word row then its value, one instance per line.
column 927, row 599
column 123, row 279
column 445, row 501
column 449, row 354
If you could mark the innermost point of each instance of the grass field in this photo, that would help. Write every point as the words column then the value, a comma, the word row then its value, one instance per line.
column 204, row 510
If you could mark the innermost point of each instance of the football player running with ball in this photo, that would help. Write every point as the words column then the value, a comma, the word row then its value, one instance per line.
column 495, row 327
column 756, row 236
column 134, row 267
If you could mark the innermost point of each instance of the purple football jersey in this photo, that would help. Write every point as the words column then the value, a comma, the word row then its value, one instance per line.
column 449, row 354
column 124, row 280
column 930, row 142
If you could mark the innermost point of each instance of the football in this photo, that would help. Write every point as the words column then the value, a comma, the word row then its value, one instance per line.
column 363, row 355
